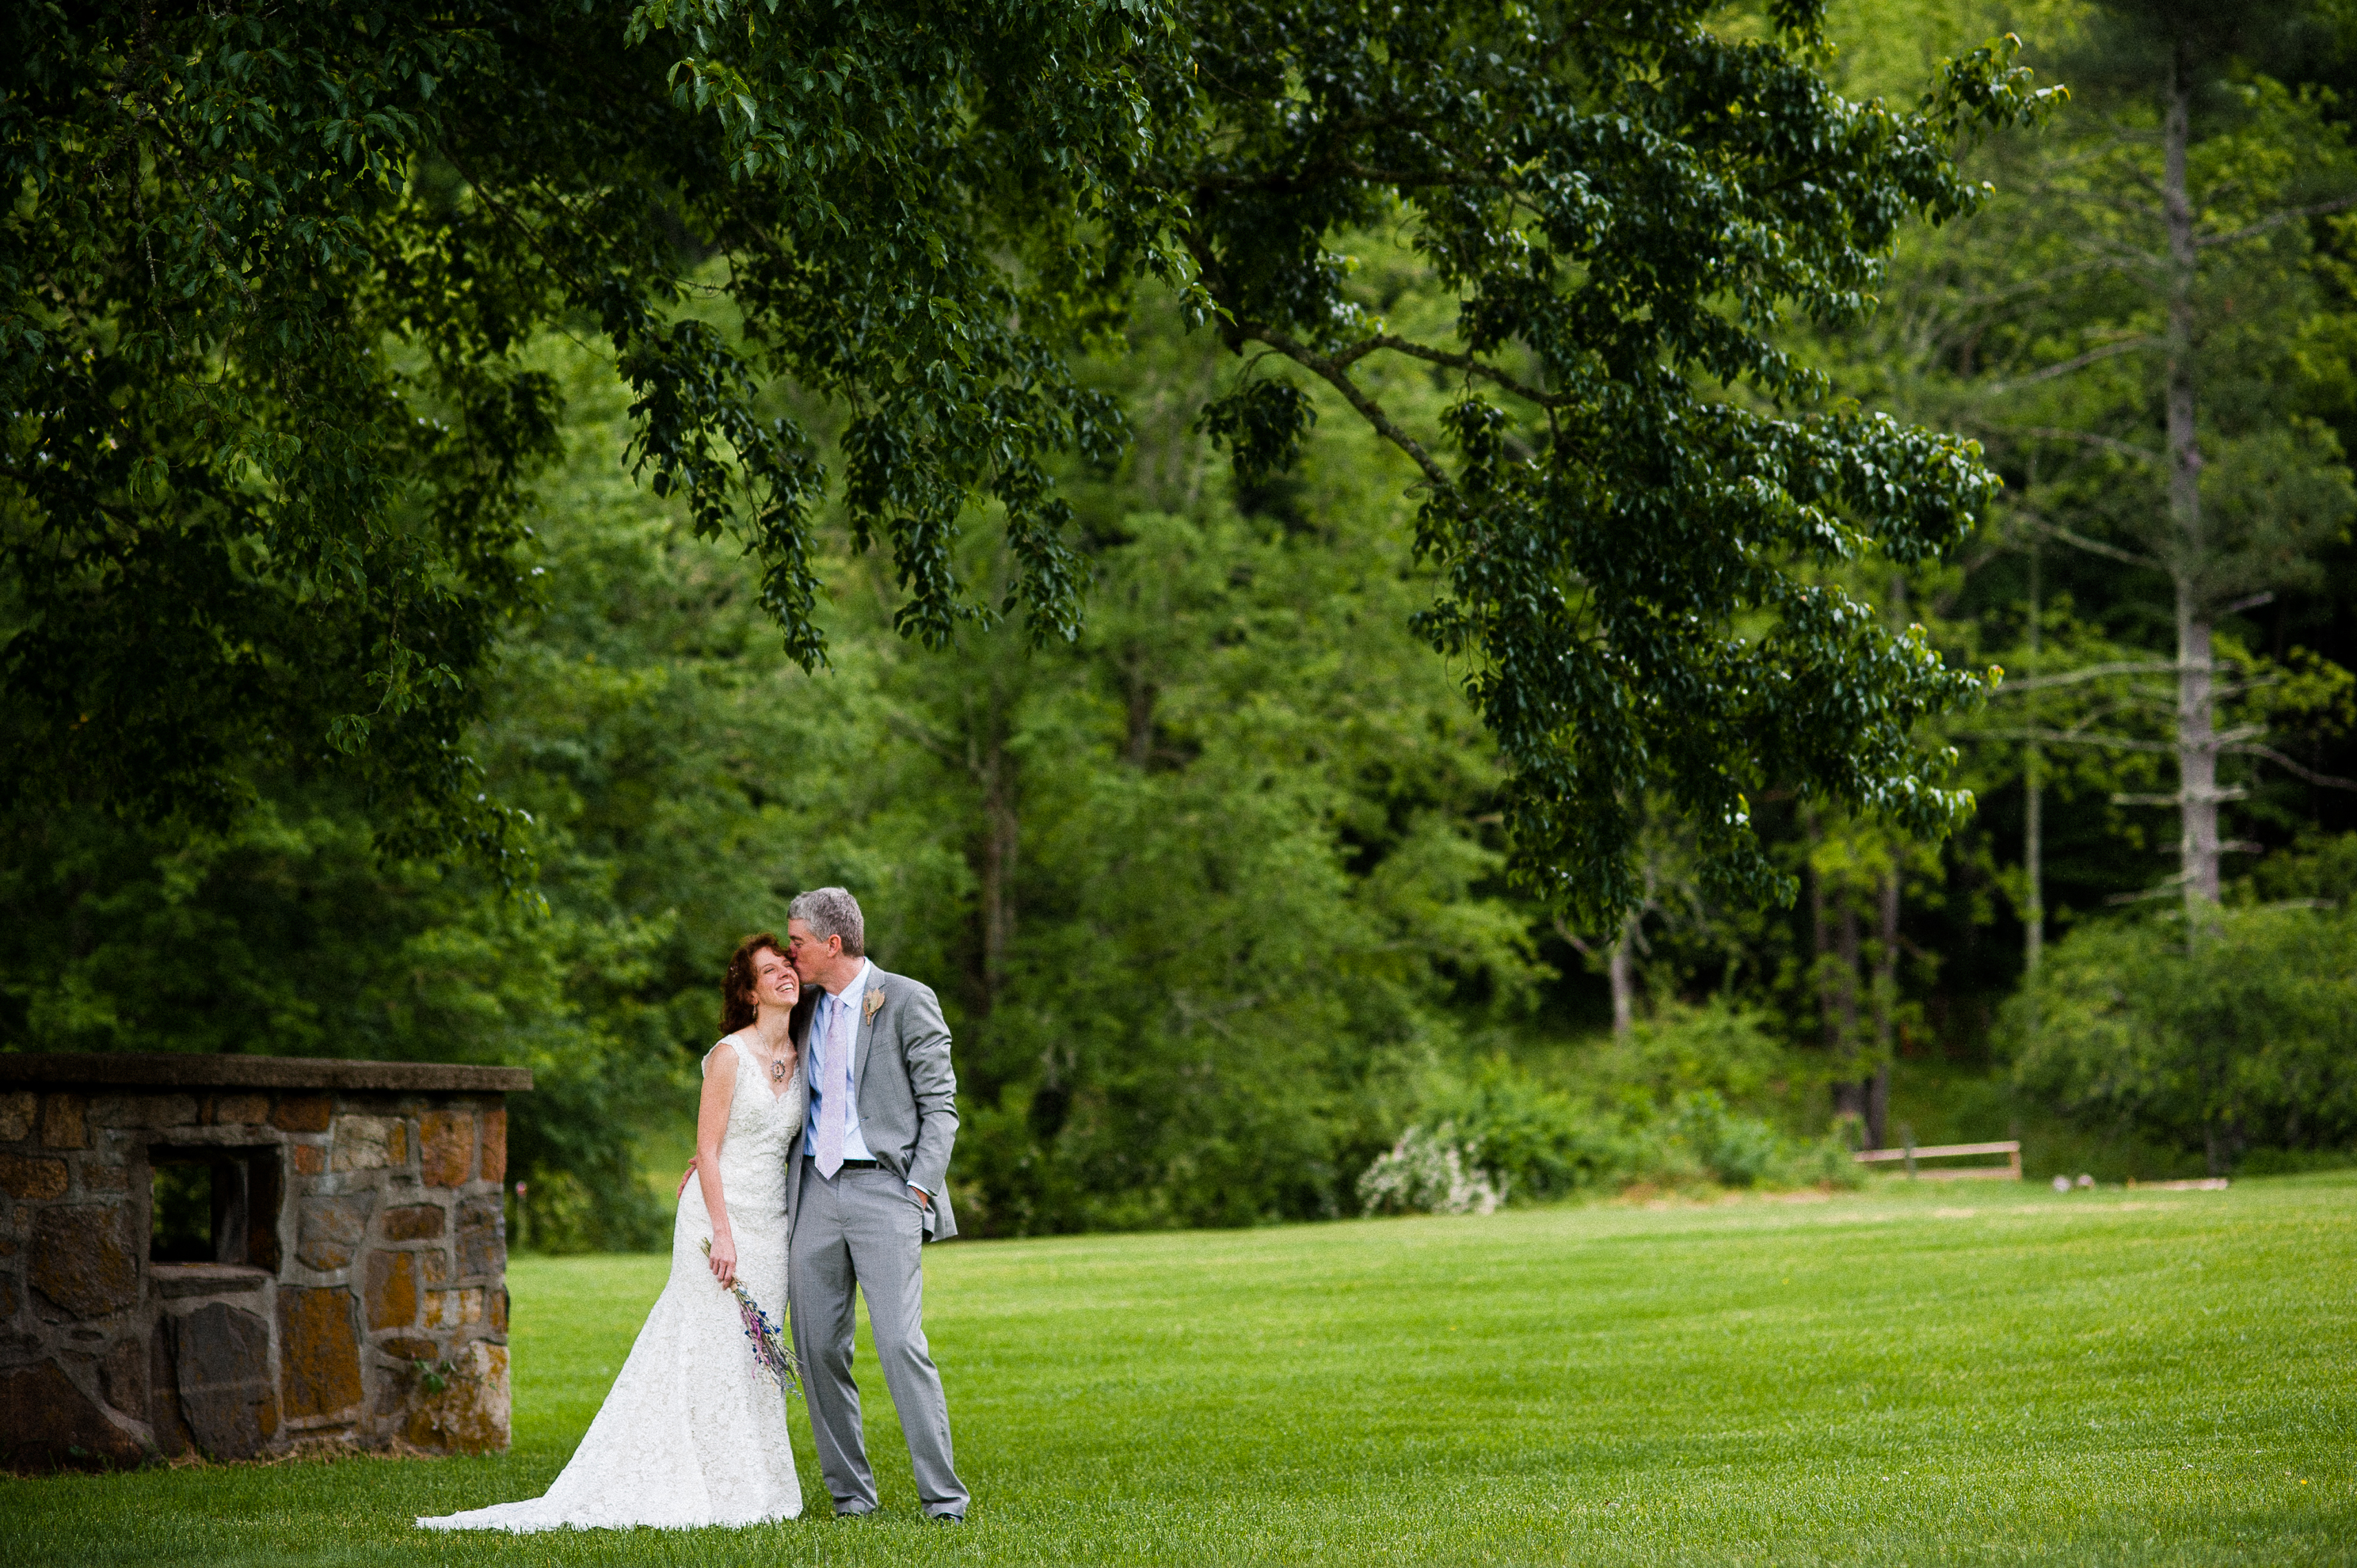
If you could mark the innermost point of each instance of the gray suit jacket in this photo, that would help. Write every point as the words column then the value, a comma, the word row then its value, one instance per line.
column 905, row 1089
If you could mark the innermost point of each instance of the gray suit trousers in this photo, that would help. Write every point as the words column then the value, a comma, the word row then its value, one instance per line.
column 864, row 1228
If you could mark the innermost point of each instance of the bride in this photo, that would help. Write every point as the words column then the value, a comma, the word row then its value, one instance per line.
column 693, row 1431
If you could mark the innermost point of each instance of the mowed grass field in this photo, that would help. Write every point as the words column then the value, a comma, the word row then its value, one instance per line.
column 1967, row 1373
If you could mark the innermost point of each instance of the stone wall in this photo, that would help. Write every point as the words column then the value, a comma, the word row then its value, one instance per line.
column 364, row 1303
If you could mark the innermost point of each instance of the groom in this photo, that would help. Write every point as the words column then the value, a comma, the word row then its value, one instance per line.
column 866, row 1186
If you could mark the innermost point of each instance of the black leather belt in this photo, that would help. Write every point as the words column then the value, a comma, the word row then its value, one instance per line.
column 856, row 1165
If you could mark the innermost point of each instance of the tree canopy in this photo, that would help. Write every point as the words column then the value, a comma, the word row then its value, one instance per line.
column 271, row 274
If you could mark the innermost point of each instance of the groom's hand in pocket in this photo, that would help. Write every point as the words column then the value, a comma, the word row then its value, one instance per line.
column 924, row 1199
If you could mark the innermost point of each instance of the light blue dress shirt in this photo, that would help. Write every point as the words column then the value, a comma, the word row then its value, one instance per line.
column 824, row 1025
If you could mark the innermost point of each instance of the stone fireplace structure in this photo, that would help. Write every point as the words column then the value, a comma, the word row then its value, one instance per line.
column 239, row 1256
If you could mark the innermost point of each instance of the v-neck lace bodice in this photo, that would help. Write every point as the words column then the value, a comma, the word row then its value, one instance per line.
column 760, row 1120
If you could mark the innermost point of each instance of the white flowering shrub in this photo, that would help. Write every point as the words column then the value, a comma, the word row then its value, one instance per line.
column 1428, row 1172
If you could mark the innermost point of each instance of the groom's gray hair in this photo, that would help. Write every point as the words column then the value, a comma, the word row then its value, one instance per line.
column 832, row 912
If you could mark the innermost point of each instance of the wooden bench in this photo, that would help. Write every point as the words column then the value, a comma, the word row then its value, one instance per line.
column 2009, row 1171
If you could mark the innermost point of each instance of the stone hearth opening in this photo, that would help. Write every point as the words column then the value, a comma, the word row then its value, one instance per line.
column 213, row 1206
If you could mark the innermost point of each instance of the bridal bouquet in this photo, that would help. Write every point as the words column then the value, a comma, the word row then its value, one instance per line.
column 770, row 1352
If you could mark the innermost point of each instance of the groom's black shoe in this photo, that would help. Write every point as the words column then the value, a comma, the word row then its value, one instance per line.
column 945, row 1517
column 842, row 1512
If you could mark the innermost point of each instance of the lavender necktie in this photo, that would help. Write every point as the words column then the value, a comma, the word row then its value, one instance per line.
column 834, row 1100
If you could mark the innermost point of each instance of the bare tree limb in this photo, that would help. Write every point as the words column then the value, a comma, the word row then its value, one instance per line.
column 1576, row 940
column 2091, row 673
column 2089, row 439
column 2069, row 737
column 2321, row 780
column 2278, row 220
column 2123, row 257
column 2026, row 286
column 2150, row 212
column 2169, row 888
column 2178, row 799
column 2093, row 546
column 2076, row 362
column 923, row 736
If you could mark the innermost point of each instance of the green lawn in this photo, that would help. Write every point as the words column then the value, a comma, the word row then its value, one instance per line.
column 1969, row 1373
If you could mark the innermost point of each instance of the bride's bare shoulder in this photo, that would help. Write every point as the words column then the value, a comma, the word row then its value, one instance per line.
column 722, row 1055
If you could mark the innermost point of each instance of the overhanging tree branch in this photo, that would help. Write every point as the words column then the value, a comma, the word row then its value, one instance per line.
column 1466, row 362
column 1335, row 373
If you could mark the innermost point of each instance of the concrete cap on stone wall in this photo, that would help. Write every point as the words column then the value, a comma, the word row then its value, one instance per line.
column 190, row 1070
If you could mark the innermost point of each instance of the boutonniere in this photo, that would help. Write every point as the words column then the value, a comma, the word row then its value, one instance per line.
column 869, row 1008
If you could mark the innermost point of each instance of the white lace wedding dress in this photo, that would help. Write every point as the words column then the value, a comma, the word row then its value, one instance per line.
column 693, row 1432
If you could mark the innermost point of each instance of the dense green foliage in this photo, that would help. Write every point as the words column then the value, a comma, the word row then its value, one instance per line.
column 1197, row 888
column 272, row 274
column 2167, row 579
column 270, row 281
column 2096, row 1379
column 1624, row 204
column 2149, row 331
column 2244, row 1036
column 1696, row 1095
column 1221, row 890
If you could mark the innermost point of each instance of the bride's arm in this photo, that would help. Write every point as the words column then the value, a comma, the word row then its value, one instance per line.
column 711, row 1126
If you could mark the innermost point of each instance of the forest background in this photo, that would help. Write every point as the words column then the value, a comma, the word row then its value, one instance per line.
column 1215, row 896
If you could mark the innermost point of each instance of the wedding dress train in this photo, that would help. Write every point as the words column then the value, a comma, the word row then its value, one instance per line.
column 693, row 1432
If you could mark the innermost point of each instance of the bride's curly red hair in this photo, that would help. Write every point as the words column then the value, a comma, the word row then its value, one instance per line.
column 736, row 1009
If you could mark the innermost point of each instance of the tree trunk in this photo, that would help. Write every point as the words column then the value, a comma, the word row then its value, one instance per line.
column 2033, row 825
column 2197, row 745
column 995, row 770
column 2197, row 757
column 1885, row 1007
column 1846, row 948
column 1620, row 966
column 1142, row 693
column 1884, row 988
column 1836, row 943
column 1875, row 1091
column 2222, row 1141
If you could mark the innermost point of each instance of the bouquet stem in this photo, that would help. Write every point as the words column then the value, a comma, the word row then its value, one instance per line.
column 770, row 1351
